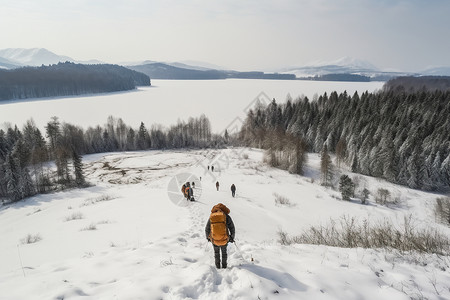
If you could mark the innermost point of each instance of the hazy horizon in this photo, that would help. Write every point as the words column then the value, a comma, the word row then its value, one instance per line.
column 264, row 35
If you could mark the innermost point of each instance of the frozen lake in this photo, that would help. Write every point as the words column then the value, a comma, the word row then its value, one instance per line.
column 224, row 102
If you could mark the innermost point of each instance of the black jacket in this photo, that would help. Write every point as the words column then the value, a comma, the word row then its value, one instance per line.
column 230, row 227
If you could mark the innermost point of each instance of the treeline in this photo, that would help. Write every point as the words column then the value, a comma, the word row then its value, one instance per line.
column 25, row 154
column 261, row 75
column 339, row 77
column 66, row 79
column 164, row 71
column 403, row 138
column 410, row 84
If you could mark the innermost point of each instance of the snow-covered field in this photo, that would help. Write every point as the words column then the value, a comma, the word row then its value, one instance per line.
column 168, row 101
column 125, row 238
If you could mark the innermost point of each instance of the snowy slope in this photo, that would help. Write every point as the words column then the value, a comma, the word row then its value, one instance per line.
column 131, row 236
column 7, row 64
column 32, row 56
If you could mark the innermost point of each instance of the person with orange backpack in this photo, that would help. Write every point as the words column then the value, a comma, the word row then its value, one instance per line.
column 189, row 192
column 220, row 231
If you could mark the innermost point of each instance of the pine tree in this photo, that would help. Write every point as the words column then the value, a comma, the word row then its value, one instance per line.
column 26, row 184
column 142, row 139
column 53, row 130
column 12, row 178
column 326, row 167
column 365, row 195
column 341, row 148
column 300, row 156
column 388, row 158
column 226, row 136
column 62, row 165
column 131, row 140
column 78, row 169
column 346, row 187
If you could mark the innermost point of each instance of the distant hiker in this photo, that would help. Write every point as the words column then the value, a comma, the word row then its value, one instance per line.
column 212, row 168
column 233, row 190
column 208, row 168
column 200, row 178
column 193, row 184
column 217, row 185
column 219, row 231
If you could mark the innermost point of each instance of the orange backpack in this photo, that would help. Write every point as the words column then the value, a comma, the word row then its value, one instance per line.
column 219, row 231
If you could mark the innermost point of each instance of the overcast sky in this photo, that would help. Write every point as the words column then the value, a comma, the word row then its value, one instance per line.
column 407, row 35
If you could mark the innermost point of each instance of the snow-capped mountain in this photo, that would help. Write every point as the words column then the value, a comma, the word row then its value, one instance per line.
column 32, row 57
column 344, row 65
column 345, row 62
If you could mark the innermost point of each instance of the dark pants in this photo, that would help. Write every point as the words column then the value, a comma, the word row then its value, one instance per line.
column 233, row 193
column 217, row 250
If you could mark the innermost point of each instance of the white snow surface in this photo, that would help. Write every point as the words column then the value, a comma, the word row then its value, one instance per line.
column 123, row 238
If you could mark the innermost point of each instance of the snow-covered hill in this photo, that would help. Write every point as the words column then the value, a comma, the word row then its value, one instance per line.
column 344, row 65
column 11, row 58
column 32, row 56
column 438, row 71
column 132, row 236
column 7, row 64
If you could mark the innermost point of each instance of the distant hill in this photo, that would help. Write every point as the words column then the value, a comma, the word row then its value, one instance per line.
column 343, row 69
column 165, row 71
column 337, row 70
column 439, row 71
column 67, row 79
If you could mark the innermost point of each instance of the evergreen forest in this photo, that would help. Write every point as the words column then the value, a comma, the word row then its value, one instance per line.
column 67, row 79
column 403, row 137
column 34, row 162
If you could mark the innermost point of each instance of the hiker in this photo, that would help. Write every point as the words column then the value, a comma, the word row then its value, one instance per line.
column 208, row 167
column 233, row 190
column 219, row 231
column 183, row 190
column 217, row 185
column 212, row 168
column 188, row 192
column 193, row 184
